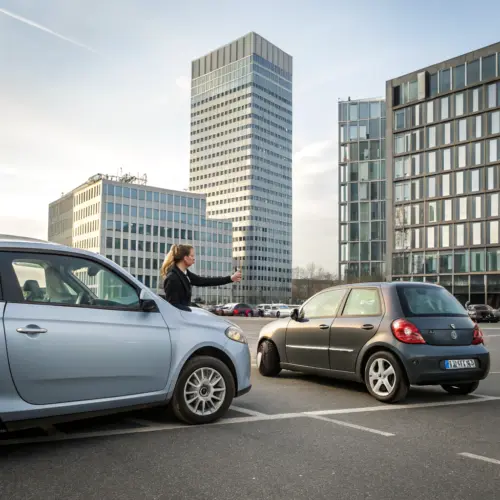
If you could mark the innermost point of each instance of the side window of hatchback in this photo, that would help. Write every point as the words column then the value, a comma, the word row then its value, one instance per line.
column 72, row 281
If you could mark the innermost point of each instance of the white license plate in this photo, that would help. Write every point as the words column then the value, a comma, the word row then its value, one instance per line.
column 457, row 364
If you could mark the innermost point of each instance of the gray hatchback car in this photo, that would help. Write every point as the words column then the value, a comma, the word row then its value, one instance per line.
column 386, row 335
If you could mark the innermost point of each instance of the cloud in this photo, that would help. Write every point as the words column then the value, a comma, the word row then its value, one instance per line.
column 46, row 30
column 183, row 82
column 315, row 200
column 24, row 226
column 313, row 150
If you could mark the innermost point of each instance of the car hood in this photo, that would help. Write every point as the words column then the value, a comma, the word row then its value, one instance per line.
column 203, row 316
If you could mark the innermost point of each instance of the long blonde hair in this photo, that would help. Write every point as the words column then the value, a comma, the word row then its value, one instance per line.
column 176, row 254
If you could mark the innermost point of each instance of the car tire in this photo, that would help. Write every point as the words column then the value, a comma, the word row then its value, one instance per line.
column 278, row 314
column 398, row 384
column 268, row 359
column 180, row 405
column 461, row 389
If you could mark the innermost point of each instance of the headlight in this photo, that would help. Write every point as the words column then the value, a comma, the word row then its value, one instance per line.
column 236, row 334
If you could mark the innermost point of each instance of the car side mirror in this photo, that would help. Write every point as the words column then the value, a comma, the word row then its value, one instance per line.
column 295, row 314
column 146, row 303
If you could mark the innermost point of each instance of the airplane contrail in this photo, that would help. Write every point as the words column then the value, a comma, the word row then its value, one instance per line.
column 47, row 30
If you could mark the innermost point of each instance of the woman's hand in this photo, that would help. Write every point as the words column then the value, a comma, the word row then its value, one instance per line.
column 236, row 276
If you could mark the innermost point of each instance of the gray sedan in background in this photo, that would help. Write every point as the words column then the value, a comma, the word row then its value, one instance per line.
column 386, row 335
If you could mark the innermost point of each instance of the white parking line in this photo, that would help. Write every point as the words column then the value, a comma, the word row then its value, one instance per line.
column 354, row 426
column 240, row 420
column 389, row 407
column 480, row 457
column 246, row 411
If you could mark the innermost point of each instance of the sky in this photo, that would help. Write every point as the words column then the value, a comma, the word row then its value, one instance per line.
column 92, row 86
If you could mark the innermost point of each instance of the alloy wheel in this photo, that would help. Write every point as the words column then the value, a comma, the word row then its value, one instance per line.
column 205, row 391
column 382, row 377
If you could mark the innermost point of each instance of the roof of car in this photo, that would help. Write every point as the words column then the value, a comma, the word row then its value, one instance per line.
column 385, row 284
column 13, row 242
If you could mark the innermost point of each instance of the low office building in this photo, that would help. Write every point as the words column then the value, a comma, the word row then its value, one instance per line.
column 443, row 158
column 135, row 225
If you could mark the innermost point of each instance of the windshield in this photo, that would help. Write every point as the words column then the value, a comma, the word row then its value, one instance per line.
column 429, row 301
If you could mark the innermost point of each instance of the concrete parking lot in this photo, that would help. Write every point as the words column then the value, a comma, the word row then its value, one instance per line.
column 292, row 437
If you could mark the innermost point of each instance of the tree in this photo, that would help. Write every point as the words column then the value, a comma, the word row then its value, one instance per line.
column 309, row 280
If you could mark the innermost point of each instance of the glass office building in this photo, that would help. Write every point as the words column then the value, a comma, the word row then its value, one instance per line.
column 241, row 158
column 135, row 225
column 443, row 153
column 362, row 189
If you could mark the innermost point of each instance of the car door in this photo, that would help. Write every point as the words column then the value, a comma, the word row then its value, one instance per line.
column 308, row 337
column 75, row 330
column 354, row 327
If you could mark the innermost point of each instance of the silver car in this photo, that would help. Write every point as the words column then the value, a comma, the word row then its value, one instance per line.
column 80, row 335
column 278, row 311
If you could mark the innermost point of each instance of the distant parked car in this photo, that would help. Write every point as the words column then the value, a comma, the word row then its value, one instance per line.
column 278, row 311
column 239, row 309
column 217, row 309
column 482, row 312
column 262, row 308
column 79, row 334
column 386, row 335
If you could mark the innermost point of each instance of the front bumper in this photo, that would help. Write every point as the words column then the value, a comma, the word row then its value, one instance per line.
column 241, row 358
column 427, row 367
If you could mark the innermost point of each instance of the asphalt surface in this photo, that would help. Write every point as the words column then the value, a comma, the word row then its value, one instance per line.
column 293, row 437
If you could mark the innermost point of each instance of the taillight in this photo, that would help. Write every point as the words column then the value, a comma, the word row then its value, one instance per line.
column 478, row 337
column 406, row 332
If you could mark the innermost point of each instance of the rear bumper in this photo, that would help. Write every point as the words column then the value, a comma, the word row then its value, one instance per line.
column 427, row 367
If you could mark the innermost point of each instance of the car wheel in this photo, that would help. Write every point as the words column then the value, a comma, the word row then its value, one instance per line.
column 278, row 314
column 204, row 391
column 268, row 359
column 461, row 389
column 251, row 314
column 385, row 378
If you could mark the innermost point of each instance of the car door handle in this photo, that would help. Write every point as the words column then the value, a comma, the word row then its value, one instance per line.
column 31, row 330
column 324, row 327
column 367, row 327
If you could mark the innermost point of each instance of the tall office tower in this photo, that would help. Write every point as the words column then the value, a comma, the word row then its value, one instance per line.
column 443, row 156
column 241, row 157
column 362, row 183
column 135, row 225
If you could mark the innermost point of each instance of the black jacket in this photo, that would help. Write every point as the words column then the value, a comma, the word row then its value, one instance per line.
column 178, row 286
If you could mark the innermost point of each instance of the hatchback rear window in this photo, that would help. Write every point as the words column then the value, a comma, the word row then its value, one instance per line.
column 429, row 301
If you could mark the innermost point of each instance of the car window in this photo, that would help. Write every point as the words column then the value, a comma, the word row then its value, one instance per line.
column 429, row 301
column 363, row 302
column 325, row 304
column 65, row 280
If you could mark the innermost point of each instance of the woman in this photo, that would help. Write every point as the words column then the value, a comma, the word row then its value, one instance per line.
column 179, row 280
